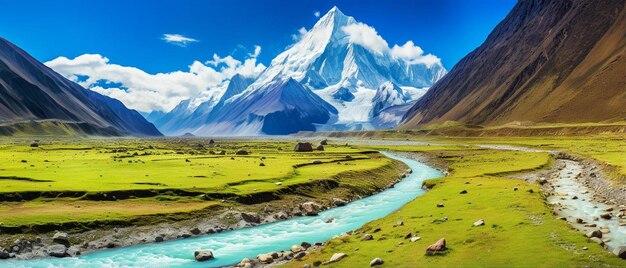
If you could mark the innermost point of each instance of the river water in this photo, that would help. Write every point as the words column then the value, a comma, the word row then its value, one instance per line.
column 232, row 246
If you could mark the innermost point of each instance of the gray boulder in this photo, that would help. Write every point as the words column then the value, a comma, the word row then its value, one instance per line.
column 303, row 147
column 203, row 255
column 251, row 217
column 376, row 261
column 57, row 250
column 620, row 252
column 61, row 238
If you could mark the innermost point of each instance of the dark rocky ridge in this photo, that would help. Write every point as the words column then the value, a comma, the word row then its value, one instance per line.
column 32, row 92
column 547, row 61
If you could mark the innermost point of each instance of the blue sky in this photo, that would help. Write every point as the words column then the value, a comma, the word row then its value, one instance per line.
column 129, row 32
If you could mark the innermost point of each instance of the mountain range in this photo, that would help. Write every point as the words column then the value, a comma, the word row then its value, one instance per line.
column 35, row 99
column 325, row 81
column 547, row 61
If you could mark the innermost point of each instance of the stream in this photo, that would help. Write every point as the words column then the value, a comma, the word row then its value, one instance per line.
column 232, row 246
column 583, row 207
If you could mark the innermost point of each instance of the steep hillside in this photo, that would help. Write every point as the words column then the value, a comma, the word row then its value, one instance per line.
column 547, row 61
column 31, row 92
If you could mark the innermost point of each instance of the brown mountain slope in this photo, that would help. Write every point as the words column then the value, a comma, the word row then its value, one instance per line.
column 547, row 61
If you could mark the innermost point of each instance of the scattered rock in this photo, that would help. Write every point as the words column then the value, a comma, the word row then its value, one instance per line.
column 605, row 230
column 579, row 220
column 339, row 202
column 620, row 252
column 376, row 230
column 324, row 142
column 251, row 217
column 585, row 248
column 303, row 147
column 440, row 205
column 242, row 152
column 61, row 238
column 320, row 148
column 311, row 208
column 463, row 192
column 57, row 250
column 337, row 257
column 367, row 237
column 591, row 225
column 594, row 233
column 597, row 240
column 203, row 255
column 606, row 216
column 515, row 189
column 480, row 222
column 438, row 246
column 376, row 261
column 34, row 144
column 407, row 236
column 399, row 223
column 195, row 231
column 296, row 249
column 415, row 239
column 299, row 255
column 158, row 239
column 265, row 258
column 262, row 164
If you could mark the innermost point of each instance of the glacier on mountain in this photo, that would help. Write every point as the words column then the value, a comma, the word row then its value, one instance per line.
column 331, row 79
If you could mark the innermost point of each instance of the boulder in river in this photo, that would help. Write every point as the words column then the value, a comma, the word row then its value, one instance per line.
column 303, row 147
column 376, row 261
column 606, row 216
column 203, row 255
column 438, row 246
column 305, row 245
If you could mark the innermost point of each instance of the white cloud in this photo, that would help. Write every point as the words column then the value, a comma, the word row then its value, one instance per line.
column 257, row 51
column 366, row 36
column 317, row 14
column 162, row 91
column 178, row 39
column 414, row 54
column 297, row 36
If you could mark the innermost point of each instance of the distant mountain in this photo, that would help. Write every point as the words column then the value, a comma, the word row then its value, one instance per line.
column 338, row 77
column 547, row 61
column 30, row 93
column 280, row 107
column 186, row 116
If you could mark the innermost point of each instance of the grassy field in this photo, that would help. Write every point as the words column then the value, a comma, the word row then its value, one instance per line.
column 519, row 230
column 58, row 179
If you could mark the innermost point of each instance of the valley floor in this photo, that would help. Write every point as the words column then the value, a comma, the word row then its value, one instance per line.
column 117, row 192
column 495, row 180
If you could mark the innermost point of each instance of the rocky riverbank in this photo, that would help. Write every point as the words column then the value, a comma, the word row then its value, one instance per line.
column 229, row 216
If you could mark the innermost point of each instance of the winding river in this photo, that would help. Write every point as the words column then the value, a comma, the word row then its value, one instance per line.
column 232, row 246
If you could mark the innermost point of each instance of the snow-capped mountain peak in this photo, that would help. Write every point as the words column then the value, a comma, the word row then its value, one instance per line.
column 343, row 71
